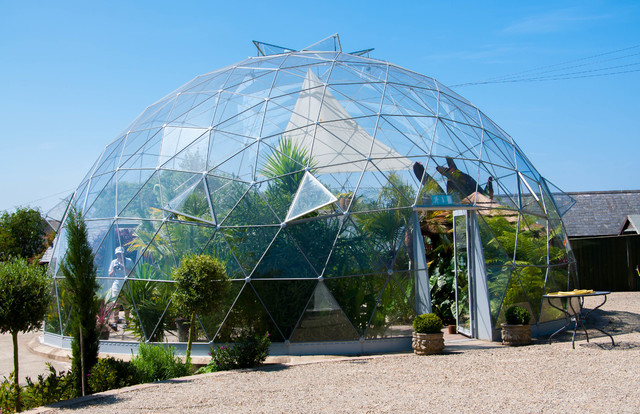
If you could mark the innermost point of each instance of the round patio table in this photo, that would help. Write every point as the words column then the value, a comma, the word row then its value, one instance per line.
column 575, row 316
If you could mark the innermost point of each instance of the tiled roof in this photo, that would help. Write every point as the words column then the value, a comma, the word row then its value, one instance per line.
column 600, row 213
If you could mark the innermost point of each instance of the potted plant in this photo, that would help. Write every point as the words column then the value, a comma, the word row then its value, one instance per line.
column 516, row 331
column 427, row 336
column 102, row 318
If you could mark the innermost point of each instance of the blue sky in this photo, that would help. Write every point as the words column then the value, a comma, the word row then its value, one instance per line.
column 73, row 74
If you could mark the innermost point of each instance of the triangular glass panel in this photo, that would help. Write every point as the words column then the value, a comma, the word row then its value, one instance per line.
column 247, row 124
column 558, row 243
column 531, row 201
column 186, row 102
column 52, row 317
column 147, row 303
column 248, row 313
column 159, row 253
column 105, row 203
column 199, row 115
column 266, row 49
column 241, row 166
column 532, row 242
column 223, row 146
column 218, row 248
column 492, row 234
column 147, row 202
column 249, row 243
column 285, row 300
column 173, row 183
column 174, row 140
column 357, row 296
column 561, row 200
column 147, row 156
column 497, row 283
column 65, row 307
column 330, row 43
column 130, row 182
column 140, row 237
column 192, row 158
column 323, row 320
column 283, row 260
column 111, row 159
column 225, row 194
column 56, row 214
column 525, row 289
column 187, row 239
column 252, row 209
column 378, row 190
column 311, row 196
column 394, row 314
column 96, row 185
column 155, row 116
column 212, row 321
column 193, row 204
column 352, row 254
column 315, row 239
column 135, row 141
column 384, row 230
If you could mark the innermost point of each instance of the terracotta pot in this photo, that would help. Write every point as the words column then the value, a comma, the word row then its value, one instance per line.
column 452, row 329
column 516, row 335
column 427, row 344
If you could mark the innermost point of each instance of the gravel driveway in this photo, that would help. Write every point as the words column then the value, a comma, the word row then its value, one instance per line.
column 470, row 377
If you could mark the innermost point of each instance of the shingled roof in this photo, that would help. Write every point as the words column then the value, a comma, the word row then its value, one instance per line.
column 600, row 213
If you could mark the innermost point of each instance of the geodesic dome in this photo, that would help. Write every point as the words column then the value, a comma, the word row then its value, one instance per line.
column 315, row 176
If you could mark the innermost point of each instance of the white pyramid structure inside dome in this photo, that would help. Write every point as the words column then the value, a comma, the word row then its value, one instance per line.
column 341, row 192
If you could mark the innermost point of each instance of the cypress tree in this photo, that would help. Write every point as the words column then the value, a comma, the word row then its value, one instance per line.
column 80, row 281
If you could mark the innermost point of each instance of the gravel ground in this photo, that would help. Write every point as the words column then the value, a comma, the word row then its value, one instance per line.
column 476, row 377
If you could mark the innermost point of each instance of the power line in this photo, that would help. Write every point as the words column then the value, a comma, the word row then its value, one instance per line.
column 532, row 75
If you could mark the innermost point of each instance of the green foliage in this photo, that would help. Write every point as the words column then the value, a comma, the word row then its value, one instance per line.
column 110, row 373
column 158, row 363
column 286, row 165
column 80, row 279
column 24, row 299
column 147, row 299
column 427, row 323
column 24, row 295
column 517, row 315
column 56, row 386
column 249, row 350
column 22, row 234
column 202, row 282
column 202, row 286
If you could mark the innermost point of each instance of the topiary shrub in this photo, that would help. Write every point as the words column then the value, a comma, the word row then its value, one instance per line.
column 517, row 315
column 427, row 323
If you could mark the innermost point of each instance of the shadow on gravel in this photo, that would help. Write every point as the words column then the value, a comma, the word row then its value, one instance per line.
column 612, row 322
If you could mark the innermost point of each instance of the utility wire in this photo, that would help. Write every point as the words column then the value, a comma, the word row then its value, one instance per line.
column 533, row 75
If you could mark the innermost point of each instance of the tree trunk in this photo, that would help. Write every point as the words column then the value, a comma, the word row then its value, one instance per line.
column 191, row 332
column 16, row 378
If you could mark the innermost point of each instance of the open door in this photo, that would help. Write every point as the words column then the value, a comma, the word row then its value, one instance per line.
column 463, row 268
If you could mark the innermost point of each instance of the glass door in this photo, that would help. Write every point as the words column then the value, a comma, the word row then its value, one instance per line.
column 461, row 269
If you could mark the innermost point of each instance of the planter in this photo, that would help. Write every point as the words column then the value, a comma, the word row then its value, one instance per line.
column 516, row 335
column 427, row 344
column 104, row 334
column 451, row 329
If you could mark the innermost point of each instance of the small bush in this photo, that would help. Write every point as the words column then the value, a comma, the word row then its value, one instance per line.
column 110, row 373
column 427, row 323
column 56, row 386
column 249, row 350
column 158, row 363
column 517, row 315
